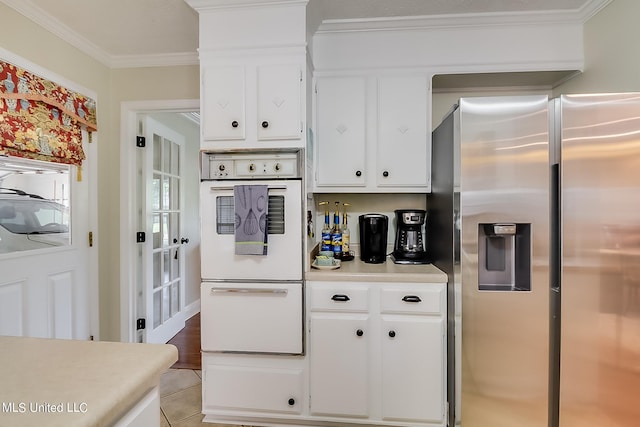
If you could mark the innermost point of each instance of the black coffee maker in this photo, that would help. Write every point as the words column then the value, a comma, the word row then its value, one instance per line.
column 373, row 237
column 409, row 246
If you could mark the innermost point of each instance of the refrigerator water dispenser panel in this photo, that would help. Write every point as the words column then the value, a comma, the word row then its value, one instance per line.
column 504, row 257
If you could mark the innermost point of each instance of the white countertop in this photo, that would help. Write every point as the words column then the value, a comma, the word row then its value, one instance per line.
column 47, row 382
column 359, row 271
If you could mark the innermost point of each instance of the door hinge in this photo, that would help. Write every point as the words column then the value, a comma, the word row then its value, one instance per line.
column 91, row 239
column 141, row 141
column 141, row 237
column 141, row 324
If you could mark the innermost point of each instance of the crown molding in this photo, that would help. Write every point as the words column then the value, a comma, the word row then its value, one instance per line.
column 59, row 29
column 576, row 16
column 202, row 5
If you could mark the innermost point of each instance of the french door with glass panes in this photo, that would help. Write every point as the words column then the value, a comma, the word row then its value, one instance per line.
column 161, row 277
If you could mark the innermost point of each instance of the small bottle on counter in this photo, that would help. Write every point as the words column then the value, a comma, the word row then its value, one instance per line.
column 325, row 245
column 336, row 234
column 346, row 235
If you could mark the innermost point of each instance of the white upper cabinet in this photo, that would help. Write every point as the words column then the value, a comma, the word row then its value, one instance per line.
column 223, row 96
column 373, row 134
column 404, row 148
column 341, row 132
column 245, row 104
column 279, row 88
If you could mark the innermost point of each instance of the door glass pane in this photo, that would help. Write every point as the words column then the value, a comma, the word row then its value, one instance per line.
column 166, row 153
column 175, row 267
column 157, row 306
column 175, row 159
column 166, row 255
column 166, row 192
column 166, row 303
column 157, row 269
column 175, row 299
column 155, row 227
column 175, row 193
column 157, row 152
column 155, row 192
column 166, row 230
column 174, row 231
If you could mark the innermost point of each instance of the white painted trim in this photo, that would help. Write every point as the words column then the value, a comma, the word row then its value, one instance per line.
column 591, row 8
column 128, row 131
column 191, row 310
column 203, row 5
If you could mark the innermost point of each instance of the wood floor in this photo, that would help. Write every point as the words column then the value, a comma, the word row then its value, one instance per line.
column 188, row 343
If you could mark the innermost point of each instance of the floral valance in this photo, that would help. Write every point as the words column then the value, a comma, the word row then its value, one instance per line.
column 40, row 119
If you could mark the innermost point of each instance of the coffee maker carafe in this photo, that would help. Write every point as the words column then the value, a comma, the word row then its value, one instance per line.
column 409, row 246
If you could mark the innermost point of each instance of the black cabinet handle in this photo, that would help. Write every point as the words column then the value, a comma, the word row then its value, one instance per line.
column 291, row 401
column 359, row 332
column 234, row 124
column 411, row 298
column 358, row 173
column 392, row 334
column 265, row 124
column 340, row 297
column 385, row 174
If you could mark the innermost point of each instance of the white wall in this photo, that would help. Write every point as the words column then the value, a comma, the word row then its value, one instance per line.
column 612, row 63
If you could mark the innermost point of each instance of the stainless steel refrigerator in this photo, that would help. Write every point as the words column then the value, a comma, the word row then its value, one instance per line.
column 535, row 217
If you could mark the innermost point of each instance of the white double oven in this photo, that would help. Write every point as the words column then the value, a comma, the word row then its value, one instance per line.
column 251, row 303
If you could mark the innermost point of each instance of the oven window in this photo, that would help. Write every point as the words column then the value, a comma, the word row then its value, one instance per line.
column 225, row 214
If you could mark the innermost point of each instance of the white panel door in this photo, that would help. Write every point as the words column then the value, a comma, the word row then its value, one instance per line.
column 413, row 368
column 339, row 364
column 162, row 261
column 48, row 292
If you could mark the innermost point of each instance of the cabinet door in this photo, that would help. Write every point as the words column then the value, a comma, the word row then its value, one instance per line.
column 278, row 112
column 404, row 149
column 413, row 368
column 223, row 103
column 340, row 131
column 339, row 365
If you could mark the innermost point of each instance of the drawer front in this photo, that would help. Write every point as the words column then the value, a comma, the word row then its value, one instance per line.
column 252, row 317
column 241, row 388
column 422, row 299
column 329, row 296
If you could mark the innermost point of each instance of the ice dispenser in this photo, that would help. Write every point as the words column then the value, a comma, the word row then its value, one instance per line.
column 504, row 257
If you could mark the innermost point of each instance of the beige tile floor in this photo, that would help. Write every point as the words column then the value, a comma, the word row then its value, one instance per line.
column 181, row 399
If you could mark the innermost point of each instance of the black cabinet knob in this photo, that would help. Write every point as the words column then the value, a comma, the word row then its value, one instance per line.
column 359, row 332
column 234, row 124
column 392, row 334
column 358, row 173
column 175, row 240
column 184, row 240
column 385, row 174
column 291, row 401
column 265, row 124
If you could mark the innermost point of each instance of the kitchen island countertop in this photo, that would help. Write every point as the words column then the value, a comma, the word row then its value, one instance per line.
column 52, row 382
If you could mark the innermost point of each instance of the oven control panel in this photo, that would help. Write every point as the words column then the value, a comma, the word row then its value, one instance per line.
column 259, row 165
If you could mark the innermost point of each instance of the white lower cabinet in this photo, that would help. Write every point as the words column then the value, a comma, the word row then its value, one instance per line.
column 377, row 352
column 374, row 356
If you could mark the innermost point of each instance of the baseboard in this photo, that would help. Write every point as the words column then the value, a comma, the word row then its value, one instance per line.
column 191, row 310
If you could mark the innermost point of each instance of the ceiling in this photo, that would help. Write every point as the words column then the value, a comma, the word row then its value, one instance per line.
column 134, row 33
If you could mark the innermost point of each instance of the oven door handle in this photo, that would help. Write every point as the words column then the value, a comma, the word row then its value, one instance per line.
column 250, row 290
column 271, row 187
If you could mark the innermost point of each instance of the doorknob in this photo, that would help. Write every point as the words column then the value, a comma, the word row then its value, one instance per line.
column 184, row 240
